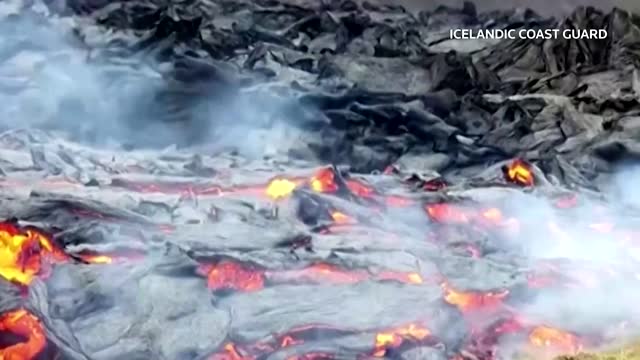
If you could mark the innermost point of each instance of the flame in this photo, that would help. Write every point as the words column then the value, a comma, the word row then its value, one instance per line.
column 519, row 172
column 279, row 188
column 21, row 323
column 548, row 337
column 471, row 300
column 395, row 337
column 22, row 252
column 227, row 275
column 324, row 181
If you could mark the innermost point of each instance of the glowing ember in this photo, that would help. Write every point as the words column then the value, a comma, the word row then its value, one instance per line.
column 519, row 172
column 472, row 301
column 548, row 337
column 279, row 188
column 25, row 325
column 227, row 275
column 22, row 252
column 395, row 337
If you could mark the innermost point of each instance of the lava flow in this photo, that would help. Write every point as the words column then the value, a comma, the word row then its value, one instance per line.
column 233, row 276
column 396, row 337
column 405, row 336
column 554, row 339
column 23, row 325
column 26, row 252
column 23, row 252
column 470, row 301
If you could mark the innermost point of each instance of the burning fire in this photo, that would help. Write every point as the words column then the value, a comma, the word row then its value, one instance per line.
column 394, row 338
column 22, row 252
column 519, row 172
column 25, row 325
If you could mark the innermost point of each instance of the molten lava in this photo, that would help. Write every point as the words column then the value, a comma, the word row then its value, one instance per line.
column 228, row 275
column 473, row 301
column 23, row 324
column 554, row 339
column 448, row 213
column 453, row 214
column 519, row 172
column 279, row 188
column 22, row 251
column 394, row 338
column 324, row 181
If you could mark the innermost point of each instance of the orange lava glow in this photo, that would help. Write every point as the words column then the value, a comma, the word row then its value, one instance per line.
column 360, row 189
column 341, row 218
column 23, row 324
column 96, row 259
column 395, row 337
column 227, row 275
column 519, row 172
column 555, row 339
column 404, row 277
column 448, row 213
column 22, row 252
column 468, row 301
column 323, row 181
column 453, row 214
column 230, row 353
column 280, row 188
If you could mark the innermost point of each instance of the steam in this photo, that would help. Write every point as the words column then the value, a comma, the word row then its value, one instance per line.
column 52, row 80
column 590, row 244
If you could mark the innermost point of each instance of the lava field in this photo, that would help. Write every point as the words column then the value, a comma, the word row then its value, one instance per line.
column 311, row 180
